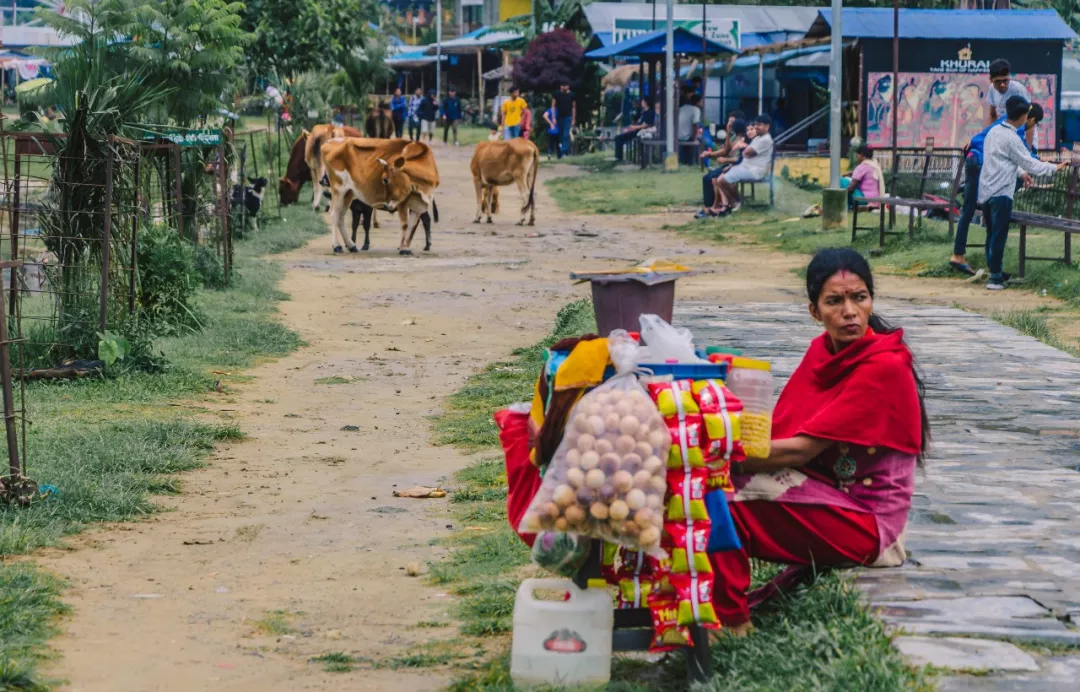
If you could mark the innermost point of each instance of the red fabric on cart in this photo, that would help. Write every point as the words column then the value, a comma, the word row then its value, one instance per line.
column 522, row 477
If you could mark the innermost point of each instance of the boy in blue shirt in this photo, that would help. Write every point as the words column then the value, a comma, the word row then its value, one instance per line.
column 972, row 169
column 399, row 109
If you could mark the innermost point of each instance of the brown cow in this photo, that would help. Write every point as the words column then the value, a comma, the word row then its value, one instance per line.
column 297, row 172
column 395, row 175
column 501, row 163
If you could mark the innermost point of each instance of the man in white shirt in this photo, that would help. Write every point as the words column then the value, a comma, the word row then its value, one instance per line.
column 1004, row 155
column 755, row 164
column 689, row 122
column 1002, row 88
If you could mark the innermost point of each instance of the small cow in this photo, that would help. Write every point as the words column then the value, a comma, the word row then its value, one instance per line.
column 395, row 175
column 250, row 197
column 501, row 163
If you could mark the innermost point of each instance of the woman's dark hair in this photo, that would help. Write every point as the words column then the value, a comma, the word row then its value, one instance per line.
column 865, row 151
column 828, row 262
column 738, row 128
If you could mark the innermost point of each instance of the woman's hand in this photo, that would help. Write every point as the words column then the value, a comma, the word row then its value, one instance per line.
column 791, row 452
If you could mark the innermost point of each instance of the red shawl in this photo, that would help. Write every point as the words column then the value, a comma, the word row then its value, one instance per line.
column 863, row 395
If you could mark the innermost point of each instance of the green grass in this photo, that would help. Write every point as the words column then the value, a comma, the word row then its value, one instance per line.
column 819, row 638
column 109, row 446
column 275, row 623
column 467, row 422
column 1035, row 323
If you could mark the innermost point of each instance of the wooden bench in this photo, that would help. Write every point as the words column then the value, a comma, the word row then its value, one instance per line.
column 753, row 185
column 1030, row 207
column 649, row 148
column 930, row 167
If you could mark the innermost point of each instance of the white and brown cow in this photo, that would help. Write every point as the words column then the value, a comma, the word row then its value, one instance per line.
column 395, row 175
column 502, row 163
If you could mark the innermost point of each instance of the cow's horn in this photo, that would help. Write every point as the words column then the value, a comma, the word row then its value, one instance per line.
column 382, row 162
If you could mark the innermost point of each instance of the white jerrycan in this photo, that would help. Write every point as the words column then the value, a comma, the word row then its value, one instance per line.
column 561, row 642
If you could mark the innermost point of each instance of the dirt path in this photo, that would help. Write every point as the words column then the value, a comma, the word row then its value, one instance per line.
column 300, row 517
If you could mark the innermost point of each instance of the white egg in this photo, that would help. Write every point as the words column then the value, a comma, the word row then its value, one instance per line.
column 585, row 442
column 629, row 425
column 624, row 444
column 589, row 460
column 581, row 424
column 657, row 438
column 611, row 421
column 623, row 408
column 653, row 465
column 595, row 478
column 603, row 446
column 573, row 457
column 643, row 450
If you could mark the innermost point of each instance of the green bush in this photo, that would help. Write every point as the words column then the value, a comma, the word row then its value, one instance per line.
column 168, row 280
column 210, row 267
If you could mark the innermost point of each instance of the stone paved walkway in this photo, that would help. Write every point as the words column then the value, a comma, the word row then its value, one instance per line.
column 994, row 535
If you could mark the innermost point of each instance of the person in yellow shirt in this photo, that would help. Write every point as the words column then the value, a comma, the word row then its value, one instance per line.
column 512, row 111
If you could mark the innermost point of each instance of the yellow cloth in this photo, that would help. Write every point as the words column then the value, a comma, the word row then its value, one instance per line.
column 512, row 110
column 582, row 369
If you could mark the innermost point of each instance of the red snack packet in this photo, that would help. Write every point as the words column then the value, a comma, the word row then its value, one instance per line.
column 687, row 498
column 688, row 547
column 686, row 438
column 673, row 399
column 720, row 477
column 667, row 633
column 694, row 594
column 713, row 397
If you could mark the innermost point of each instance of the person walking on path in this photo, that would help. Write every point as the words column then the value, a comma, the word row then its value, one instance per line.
column 414, row 114
column 972, row 168
column 645, row 119
column 552, row 133
column 399, row 110
column 1004, row 155
column 1002, row 88
column 451, row 115
column 565, row 104
column 428, row 110
column 513, row 109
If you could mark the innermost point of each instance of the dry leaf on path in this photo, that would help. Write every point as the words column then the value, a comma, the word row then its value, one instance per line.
column 421, row 491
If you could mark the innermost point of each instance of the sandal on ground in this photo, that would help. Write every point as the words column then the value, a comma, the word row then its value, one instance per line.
column 721, row 211
column 963, row 268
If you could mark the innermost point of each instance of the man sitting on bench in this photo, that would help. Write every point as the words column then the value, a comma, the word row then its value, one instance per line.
column 754, row 167
column 645, row 120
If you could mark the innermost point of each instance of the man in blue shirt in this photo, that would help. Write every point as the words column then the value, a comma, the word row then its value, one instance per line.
column 399, row 108
column 451, row 115
column 972, row 169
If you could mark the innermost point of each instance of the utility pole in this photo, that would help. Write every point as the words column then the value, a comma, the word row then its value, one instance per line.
column 836, row 66
column 834, row 199
column 671, row 159
column 438, row 51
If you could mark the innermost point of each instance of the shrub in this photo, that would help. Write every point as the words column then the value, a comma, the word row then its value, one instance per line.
column 167, row 279
column 210, row 267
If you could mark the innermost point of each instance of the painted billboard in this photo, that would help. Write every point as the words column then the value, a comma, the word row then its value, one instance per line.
column 951, row 107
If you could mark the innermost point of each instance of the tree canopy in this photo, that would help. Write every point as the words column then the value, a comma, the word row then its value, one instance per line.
column 550, row 60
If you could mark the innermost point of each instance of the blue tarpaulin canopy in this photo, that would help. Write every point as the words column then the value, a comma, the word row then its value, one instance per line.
column 654, row 43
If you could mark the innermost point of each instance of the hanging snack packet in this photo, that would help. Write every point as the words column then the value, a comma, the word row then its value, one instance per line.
column 694, row 594
column 607, row 478
column 667, row 634
column 687, row 500
column 673, row 399
column 721, row 413
column 713, row 397
column 689, row 544
column 686, row 440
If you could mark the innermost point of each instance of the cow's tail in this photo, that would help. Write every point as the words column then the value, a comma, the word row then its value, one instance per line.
column 434, row 210
column 532, row 181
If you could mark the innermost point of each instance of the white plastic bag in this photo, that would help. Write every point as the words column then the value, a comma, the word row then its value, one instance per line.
column 608, row 478
column 666, row 343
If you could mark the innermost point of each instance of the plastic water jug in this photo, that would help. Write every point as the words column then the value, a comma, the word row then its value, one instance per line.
column 565, row 642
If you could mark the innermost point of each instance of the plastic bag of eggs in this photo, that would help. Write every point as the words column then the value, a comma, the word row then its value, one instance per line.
column 608, row 477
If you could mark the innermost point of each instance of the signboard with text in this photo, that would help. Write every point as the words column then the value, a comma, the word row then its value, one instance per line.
column 723, row 31
column 188, row 138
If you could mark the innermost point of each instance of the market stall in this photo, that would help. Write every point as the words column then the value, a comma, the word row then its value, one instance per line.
column 619, row 475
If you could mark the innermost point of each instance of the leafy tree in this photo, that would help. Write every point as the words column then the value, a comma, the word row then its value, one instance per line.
column 549, row 60
column 296, row 36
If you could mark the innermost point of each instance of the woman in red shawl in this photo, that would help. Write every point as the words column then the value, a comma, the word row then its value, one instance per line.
column 848, row 431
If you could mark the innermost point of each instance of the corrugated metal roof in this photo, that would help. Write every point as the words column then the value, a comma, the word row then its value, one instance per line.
column 23, row 36
column 752, row 18
column 1002, row 25
column 479, row 39
column 654, row 43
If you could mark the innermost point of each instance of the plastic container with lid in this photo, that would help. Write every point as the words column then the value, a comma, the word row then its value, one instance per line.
column 752, row 381
column 561, row 642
